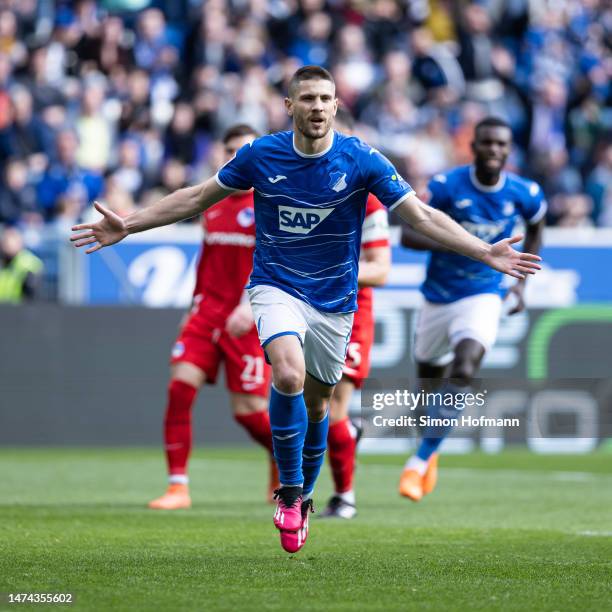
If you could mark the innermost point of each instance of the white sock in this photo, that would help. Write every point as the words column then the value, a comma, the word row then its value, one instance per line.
column 178, row 479
column 417, row 464
column 348, row 497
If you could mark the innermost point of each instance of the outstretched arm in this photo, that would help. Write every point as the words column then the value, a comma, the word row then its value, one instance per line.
column 181, row 204
column 440, row 227
column 417, row 241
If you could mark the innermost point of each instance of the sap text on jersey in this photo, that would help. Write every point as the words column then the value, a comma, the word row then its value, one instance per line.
column 301, row 220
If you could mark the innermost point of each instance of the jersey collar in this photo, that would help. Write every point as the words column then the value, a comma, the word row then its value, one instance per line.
column 312, row 155
column 487, row 188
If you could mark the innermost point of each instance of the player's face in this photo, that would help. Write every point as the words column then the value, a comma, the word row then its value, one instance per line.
column 491, row 148
column 232, row 146
column 313, row 107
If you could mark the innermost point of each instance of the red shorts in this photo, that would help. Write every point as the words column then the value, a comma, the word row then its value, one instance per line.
column 357, row 363
column 206, row 345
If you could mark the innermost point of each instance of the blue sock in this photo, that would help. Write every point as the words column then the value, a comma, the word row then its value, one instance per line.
column 314, row 451
column 288, row 421
column 433, row 436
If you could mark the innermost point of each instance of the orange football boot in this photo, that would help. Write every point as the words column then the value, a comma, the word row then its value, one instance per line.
column 274, row 482
column 176, row 497
column 411, row 485
column 431, row 475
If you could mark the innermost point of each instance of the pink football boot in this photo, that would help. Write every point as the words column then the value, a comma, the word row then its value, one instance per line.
column 292, row 541
column 288, row 515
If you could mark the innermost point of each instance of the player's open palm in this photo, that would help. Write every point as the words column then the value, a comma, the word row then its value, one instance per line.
column 108, row 230
column 506, row 259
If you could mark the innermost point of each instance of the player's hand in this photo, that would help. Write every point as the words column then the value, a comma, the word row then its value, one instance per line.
column 240, row 320
column 503, row 257
column 516, row 296
column 109, row 230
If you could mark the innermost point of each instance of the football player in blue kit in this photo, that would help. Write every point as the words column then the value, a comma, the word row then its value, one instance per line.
column 463, row 298
column 311, row 185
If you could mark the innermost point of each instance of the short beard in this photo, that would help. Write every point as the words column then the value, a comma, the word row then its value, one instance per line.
column 302, row 126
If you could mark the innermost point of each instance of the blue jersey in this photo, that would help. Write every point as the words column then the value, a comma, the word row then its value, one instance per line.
column 489, row 212
column 309, row 210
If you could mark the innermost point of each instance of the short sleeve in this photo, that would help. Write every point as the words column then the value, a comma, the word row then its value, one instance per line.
column 237, row 172
column 534, row 205
column 383, row 180
column 438, row 192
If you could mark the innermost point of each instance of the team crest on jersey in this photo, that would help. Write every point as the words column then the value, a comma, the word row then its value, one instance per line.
column 246, row 217
column 507, row 208
column 177, row 350
column 301, row 220
column 337, row 181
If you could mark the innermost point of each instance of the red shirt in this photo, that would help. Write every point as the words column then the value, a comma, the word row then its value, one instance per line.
column 226, row 259
column 375, row 233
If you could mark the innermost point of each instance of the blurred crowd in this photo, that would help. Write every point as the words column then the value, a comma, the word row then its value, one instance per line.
column 125, row 100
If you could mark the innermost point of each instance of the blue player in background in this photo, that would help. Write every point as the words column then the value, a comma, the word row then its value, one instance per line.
column 311, row 185
column 459, row 320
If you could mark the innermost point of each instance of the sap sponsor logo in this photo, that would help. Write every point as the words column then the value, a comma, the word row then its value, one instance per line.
column 178, row 350
column 337, row 181
column 485, row 231
column 463, row 203
column 301, row 220
column 246, row 217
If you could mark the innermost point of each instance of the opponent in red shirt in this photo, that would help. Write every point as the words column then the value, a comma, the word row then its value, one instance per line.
column 374, row 266
column 219, row 329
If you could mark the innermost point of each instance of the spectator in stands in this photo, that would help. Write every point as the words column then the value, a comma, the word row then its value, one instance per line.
column 385, row 25
column 572, row 210
column 17, row 194
column 67, row 175
column 10, row 44
column 25, row 136
column 128, row 174
column 353, row 68
column 108, row 47
column 20, row 270
column 6, row 81
column 44, row 92
column 181, row 139
column 435, row 68
column 95, row 131
column 151, row 39
column 475, row 28
column 136, row 109
column 412, row 72
column 312, row 44
column 548, row 117
column 599, row 187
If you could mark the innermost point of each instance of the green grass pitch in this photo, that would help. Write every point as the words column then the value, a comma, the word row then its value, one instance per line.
column 513, row 531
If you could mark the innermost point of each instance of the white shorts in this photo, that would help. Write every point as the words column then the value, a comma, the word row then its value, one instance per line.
column 324, row 335
column 442, row 326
